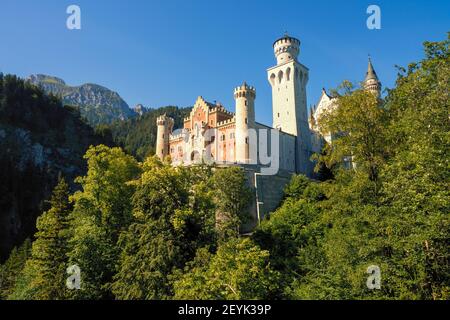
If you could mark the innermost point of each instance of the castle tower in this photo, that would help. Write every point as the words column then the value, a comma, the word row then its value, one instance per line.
column 165, row 127
column 371, row 82
column 245, row 118
column 288, row 80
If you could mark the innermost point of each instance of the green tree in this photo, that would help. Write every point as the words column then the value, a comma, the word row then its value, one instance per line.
column 102, row 211
column 232, row 198
column 357, row 125
column 239, row 270
column 415, row 196
column 44, row 273
column 293, row 228
column 12, row 268
column 174, row 214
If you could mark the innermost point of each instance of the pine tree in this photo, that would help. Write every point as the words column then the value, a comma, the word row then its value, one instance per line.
column 44, row 275
column 12, row 267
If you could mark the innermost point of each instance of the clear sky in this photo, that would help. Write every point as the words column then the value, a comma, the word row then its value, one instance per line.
column 169, row 52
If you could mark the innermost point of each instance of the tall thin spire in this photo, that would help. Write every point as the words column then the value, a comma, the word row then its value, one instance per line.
column 371, row 81
column 371, row 74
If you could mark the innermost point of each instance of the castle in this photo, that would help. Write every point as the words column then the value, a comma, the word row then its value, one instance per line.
column 213, row 134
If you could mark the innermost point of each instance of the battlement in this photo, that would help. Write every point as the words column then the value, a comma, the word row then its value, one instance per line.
column 164, row 120
column 286, row 48
column 245, row 91
column 226, row 122
column 179, row 135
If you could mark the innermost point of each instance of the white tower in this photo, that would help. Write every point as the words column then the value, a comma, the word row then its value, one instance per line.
column 288, row 80
column 245, row 119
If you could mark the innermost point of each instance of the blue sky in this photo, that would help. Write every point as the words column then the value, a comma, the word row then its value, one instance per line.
column 169, row 52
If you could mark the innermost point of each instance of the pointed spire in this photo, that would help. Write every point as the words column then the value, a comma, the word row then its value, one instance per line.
column 371, row 74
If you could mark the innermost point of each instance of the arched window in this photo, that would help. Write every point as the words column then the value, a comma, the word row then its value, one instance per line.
column 280, row 76
column 272, row 78
column 288, row 74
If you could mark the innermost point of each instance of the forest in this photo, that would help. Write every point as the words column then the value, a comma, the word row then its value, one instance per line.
column 140, row 229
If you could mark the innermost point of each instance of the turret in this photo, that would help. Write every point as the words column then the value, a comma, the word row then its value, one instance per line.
column 165, row 127
column 245, row 119
column 371, row 82
column 286, row 49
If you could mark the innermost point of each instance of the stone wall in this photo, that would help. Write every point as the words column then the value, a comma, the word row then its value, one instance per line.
column 267, row 194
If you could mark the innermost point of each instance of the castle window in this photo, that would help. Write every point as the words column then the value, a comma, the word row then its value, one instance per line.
column 246, row 140
column 272, row 78
column 288, row 73
column 246, row 102
column 246, row 121
column 280, row 76
column 278, row 114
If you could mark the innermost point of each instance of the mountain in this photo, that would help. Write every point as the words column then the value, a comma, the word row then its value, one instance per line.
column 137, row 136
column 139, row 109
column 97, row 104
column 40, row 139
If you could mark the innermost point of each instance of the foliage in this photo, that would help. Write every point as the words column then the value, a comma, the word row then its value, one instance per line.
column 12, row 268
column 43, row 276
column 137, row 136
column 102, row 211
column 232, row 198
column 357, row 125
column 40, row 139
column 239, row 270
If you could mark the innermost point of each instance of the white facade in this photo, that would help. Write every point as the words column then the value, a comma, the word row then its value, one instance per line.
column 326, row 103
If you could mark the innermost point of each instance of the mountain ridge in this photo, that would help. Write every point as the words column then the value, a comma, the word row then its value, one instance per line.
column 98, row 104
